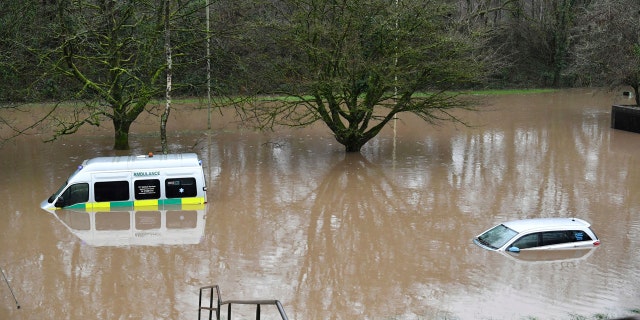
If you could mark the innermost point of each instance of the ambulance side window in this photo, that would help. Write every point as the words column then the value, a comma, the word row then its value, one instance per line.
column 111, row 191
column 76, row 193
column 181, row 188
column 146, row 189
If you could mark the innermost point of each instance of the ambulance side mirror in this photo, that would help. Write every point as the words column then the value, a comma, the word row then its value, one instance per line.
column 60, row 202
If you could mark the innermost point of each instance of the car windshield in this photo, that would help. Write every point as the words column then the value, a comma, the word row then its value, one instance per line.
column 497, row 236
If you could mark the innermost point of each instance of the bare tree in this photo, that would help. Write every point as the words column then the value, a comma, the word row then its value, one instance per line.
column 113, row 49
column 356, row 64
column 609, row 44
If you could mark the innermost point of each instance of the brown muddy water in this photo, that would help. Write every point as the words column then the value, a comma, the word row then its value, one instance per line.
column 381, row 235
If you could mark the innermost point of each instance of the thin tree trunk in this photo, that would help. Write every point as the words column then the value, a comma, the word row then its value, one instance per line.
column 167, row 109
column 208, row 68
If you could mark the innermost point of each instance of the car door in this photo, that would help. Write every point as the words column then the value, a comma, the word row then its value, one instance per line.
column 75, row 193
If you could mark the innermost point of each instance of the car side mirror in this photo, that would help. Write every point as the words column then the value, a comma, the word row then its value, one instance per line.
column 59, row 203
column 514, row 249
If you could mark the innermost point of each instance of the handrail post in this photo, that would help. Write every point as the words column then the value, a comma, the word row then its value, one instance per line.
column 199, row 303
column 210, row 302
column 219, row 303
column 258, row 312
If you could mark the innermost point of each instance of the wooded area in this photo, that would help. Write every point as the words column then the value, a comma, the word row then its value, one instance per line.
column 341, row 59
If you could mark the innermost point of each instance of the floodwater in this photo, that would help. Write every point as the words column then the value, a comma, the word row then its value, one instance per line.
column 385, row 234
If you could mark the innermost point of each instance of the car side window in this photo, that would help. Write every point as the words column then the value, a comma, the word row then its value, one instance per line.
column 579, row 235
column 528, row 241
column 557, row 237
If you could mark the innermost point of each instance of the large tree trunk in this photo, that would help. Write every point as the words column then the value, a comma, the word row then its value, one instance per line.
column 353, row 142
column 353, row 147
column 121, row 138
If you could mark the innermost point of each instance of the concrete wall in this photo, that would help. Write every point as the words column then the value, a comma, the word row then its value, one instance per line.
column 625, row 118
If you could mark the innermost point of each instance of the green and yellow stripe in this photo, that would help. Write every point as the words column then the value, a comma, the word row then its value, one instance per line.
column 185, row 203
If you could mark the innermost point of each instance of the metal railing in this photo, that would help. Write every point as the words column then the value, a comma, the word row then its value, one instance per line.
column 210, row 308
column 219, row 302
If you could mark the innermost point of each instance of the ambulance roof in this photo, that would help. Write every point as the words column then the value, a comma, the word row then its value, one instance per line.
column 142, row 162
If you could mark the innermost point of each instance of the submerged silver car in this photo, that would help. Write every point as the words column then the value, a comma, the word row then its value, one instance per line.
column 538, row 234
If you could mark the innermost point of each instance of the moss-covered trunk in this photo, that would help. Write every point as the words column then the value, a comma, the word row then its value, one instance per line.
column 355, row 137
column 123, row 116
column 121, row 137
column 351, row 143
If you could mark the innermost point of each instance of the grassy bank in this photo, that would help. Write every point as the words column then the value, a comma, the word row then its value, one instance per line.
column 509, row 91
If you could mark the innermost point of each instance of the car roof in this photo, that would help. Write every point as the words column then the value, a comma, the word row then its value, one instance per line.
column 545, row 224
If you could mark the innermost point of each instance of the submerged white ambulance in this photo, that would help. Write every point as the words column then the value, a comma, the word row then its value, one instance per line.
column 105, row 183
